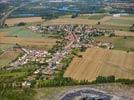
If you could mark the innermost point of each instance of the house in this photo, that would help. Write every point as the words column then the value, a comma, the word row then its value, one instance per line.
column 26, row 84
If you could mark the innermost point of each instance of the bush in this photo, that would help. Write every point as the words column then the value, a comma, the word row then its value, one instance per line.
column 21, row 24
column 101, row 79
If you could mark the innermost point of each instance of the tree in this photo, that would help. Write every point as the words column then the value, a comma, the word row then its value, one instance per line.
column 98, row 23
column 75, row 15
column 131, row 28
column 21, row 24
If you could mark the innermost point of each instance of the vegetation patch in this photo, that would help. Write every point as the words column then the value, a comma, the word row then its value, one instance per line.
column 120, row 22
column 21, row 32
column 15, row 94
column 93, row 17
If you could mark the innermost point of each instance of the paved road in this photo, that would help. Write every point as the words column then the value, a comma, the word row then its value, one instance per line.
column 3, row 19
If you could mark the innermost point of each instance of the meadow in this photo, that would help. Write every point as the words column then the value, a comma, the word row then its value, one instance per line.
column 19, row 32
column 119, row 42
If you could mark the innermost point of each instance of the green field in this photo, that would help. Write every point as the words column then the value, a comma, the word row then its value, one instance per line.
column 90, row 17
column 1, row 51
column 20, row 32
column 17, row 94
column 120, row 43
column 5, row 46
column 93, row 17
column 120, row 22
column 14, row 74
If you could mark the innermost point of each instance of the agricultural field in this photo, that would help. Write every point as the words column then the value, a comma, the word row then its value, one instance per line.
column 7, row 57
column 124, row 33
column 19, row 32
column 14, row 21
column 117, row 21
column 120, row 43
column 29, row 42
column 101, row 62
column 24, row 37
column 107, row 22
column 60, row 21
column 93, row 16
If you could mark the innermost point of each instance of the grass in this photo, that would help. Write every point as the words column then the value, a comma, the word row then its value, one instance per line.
column 12, row 74
column 25, row 38
column 5, row 46
column 121, row 22
column 21, row 32
column 119, row 42
column 1, row 51
column 53, row 93
column 7, row 57
column 93, row 17
column 49, row 93
column 17, row 94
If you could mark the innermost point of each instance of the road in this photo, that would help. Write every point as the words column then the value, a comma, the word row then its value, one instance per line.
column 3, row 19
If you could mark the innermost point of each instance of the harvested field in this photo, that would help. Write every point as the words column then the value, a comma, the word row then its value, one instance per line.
column 29, row 42
column 2, row 34
column 70, row 21
column 106, row 18
column 7, row 57
column 124, row 33
column 13, row 21
column 102, row 62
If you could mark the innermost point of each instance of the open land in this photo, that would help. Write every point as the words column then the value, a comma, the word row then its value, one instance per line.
column 70, row 21
column 14, row 21
column 101, row 62
column 56, row 92
column 124, row 33
column 94, row 62
column 107, row 22
column 24, row 37
column 20, row 32
column 29, row 42
column 120, row 43
column 8, row 56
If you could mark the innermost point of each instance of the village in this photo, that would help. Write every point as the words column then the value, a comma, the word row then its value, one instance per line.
column 75, row 36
